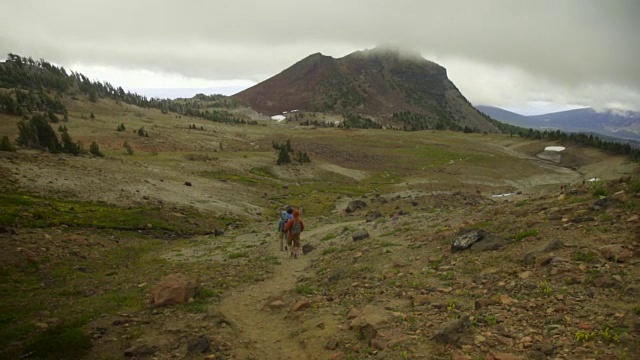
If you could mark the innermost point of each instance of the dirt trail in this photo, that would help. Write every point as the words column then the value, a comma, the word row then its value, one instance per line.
column 265, row 332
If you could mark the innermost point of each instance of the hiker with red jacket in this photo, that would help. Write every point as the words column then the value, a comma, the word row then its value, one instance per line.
column 293, row 228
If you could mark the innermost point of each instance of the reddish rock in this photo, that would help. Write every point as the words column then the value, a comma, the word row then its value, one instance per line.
column 419, row 300
column 300, row 305
column 276, row 305
column 174, row 289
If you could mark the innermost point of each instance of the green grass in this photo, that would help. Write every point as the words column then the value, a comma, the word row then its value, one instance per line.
column 238, row 255
column 66, row 341
column 262, row 171
column 583, row 256
column 328, row 237
column 304, row 289
column 229, row 177
column 34, row 212
column 525, row 234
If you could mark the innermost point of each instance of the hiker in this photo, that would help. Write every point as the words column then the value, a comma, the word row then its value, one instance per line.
column 294, row 227
column 282, row 234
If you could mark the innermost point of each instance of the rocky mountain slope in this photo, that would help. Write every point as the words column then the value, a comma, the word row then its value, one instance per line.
column 395, row 88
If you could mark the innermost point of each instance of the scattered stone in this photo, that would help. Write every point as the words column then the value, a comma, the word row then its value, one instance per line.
column 451, row 332
column 353, row 313
column 355, row 205
column 615, row 252
column 337, row 275
column 307, row 248
column 466, row 239
column 140, row 351
column 331, row 344
column 419, row 300
column 199, row 345
column 482, row 303
column 360, row 235
column 506, row 356
column 368, row 332
column 553, row 245
column 530, row 258
column 581, row 219
column 174, row 289
column 300, row 305
column 604, row 281
column 373, row 215
column 545, row 348
column 276, row 305
column 187, row 183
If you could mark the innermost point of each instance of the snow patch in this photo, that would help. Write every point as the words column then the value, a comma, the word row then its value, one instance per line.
column 554, row 148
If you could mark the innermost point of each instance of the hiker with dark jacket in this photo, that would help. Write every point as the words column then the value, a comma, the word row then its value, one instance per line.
column 294, row 227
column 282, row 234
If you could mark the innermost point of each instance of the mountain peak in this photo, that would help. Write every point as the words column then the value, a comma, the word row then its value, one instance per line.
column 394, row 86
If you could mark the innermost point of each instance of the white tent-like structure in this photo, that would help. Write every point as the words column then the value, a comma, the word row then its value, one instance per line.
column 278, row 117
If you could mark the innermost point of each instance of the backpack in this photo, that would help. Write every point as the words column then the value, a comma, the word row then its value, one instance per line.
column 296, row 227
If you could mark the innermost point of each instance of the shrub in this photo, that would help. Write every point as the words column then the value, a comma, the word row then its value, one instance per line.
column 69, row 146
column 143, row 132
column 37, row 133
column 6, row 145
column 94, row 149
column 283, row 156
column 597, row 188
column 121, row 127
column 128, row 148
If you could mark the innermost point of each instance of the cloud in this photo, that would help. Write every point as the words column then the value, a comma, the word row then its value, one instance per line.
column 576, row 51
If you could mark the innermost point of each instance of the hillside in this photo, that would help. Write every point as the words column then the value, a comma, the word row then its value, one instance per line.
column 610, row 124
column 88, row 241
column 394, row 89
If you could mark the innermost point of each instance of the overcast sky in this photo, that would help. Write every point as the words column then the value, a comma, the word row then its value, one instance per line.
column 531, row 56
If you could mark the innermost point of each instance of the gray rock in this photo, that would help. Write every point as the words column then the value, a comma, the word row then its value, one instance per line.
column 360, row 235
column 355, row 205
column 554, row 245
column 490, row 243
column 451, row 332
column 307, row 248
column 140, row 351
column 331, row 344
column 467, row 239
column 199, row 345
column 371, row 216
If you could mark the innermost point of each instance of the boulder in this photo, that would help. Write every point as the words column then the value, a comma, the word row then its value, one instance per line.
column 467, row 239
column 174, row 289
column 360, row 235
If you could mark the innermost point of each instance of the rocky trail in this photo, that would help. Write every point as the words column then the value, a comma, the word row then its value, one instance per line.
column 255, row 314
